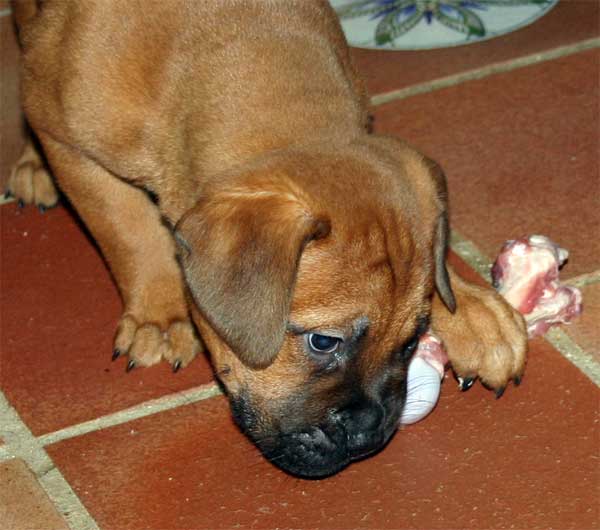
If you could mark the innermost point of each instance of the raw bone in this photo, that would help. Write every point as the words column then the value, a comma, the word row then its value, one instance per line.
column 526, row 274
column 425, row 372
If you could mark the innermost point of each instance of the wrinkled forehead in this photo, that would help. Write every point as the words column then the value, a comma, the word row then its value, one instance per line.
column 373, row 270
column 341, row 267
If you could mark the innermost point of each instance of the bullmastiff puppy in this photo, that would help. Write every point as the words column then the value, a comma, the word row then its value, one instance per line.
column 219, row 152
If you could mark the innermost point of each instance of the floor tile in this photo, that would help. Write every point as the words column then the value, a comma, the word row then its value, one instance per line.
column 11, row 121
column 59, row 312
column 464, row 270
column 528, row 460
column 585, row 330
column 520, row 153
column 23, row 502
column 569, row 22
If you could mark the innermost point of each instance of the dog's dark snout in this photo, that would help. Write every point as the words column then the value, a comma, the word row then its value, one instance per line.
column 363, row 424
column 361, row 416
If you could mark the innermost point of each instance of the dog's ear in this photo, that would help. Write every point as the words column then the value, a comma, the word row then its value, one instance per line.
column 240, row 249
column 441, row 236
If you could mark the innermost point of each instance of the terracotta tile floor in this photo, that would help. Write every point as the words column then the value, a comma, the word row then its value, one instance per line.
column 61, row 309
column 520, row 150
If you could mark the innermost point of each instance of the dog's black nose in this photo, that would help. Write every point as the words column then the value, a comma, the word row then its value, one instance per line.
column 363, row 424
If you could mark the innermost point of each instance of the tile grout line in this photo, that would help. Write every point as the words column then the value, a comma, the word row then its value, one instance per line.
column 561, row 341
column 19, row 442
column 574, row 353
column 467, row 250
column 582, row 280
column 485, row 71
column 146, row 408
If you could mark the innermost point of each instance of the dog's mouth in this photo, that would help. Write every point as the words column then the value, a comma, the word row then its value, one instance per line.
column 319, row 452
column 308, row 454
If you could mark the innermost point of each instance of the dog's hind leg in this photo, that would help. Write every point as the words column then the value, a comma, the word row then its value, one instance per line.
column 140, row 251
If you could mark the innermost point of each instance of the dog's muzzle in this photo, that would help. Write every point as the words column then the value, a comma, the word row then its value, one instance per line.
column 348, row 434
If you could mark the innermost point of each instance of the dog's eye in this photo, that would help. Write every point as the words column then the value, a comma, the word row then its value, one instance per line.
column 323, row 343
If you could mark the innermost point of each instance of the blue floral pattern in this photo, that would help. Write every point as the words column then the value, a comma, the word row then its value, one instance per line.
column 395, row 18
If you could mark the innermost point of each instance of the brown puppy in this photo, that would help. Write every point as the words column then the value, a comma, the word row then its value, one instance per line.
column 310, row 248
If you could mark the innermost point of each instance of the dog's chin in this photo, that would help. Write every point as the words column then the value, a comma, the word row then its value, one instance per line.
column 310, row 452
column 316, row 453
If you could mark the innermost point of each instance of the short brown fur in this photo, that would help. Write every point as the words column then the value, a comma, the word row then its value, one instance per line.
column 248, row 122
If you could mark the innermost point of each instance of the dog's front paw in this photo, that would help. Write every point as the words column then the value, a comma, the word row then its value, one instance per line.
column 30, row 181
column 485, row 338
column 147, row 343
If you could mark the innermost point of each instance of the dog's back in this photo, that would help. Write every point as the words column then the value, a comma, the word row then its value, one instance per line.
column 153, row 81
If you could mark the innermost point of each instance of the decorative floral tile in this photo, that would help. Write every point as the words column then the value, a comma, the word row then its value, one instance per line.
column 427, row 24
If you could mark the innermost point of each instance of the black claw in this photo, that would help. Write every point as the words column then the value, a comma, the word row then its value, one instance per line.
column 499, row 392
column 130, row 366
column 21, row 203
column 517, row 380
column 41, row 208
column 116, row 353
column 466, row 383
column 176, row 366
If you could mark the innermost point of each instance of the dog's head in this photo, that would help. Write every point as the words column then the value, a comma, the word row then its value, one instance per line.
column 311, row 276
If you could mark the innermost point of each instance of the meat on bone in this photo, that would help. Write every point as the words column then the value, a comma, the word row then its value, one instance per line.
column 526, row 274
